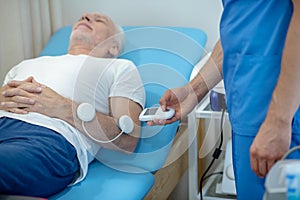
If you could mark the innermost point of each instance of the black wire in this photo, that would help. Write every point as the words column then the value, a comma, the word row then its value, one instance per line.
column 221, row 128
column 215, row 156
column 212, row 174
column 203, row 177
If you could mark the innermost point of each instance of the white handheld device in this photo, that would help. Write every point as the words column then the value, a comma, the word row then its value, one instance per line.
column 152, row 113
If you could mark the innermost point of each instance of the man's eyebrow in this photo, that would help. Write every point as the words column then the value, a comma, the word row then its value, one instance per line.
column 97, row 16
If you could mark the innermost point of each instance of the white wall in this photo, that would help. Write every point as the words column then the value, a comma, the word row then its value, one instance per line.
column 10, row 43
column 204, row 14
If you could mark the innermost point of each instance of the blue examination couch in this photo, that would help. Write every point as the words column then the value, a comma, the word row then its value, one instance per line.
column 165, row 57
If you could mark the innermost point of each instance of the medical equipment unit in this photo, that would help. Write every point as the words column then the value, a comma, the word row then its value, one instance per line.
column 283, row 180
column 165, row 57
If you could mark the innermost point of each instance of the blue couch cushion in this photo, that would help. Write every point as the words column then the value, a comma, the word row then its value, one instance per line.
column 103, row 182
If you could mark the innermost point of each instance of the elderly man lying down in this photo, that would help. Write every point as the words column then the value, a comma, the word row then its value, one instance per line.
column 43, row 145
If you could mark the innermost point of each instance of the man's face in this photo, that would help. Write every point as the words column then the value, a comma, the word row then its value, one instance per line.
column 92, row 29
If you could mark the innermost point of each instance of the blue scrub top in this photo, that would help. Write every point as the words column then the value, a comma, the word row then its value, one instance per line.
column 253, row 34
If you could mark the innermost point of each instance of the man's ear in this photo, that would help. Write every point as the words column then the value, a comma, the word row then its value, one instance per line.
column 114, row 50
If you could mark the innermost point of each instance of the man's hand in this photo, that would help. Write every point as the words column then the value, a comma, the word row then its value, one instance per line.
column 30, row 96
column 270, row 144
column 182, row 100
column 50, row 103
column 17, row 95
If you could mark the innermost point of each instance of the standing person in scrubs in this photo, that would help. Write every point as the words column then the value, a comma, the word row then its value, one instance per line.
column 258, row 56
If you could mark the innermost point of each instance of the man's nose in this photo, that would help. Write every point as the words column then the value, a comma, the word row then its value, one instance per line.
column 86, row 17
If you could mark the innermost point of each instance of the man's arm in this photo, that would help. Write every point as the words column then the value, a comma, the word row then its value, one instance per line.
column 274, row 137
column 105, row 127
column 184, row 99
column 210, row 74
column 48, row 102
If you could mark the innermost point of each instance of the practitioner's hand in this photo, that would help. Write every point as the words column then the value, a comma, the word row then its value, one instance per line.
column 182, row 100
column 269, row 145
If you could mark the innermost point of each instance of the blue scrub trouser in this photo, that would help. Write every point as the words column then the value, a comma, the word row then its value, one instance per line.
column 34, row 161
column 248, row 185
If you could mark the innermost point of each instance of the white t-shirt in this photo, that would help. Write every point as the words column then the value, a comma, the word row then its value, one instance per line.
column 81, row 78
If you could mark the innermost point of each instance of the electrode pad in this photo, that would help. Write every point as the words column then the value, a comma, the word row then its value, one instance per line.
column 126, row 124
column 86, row 112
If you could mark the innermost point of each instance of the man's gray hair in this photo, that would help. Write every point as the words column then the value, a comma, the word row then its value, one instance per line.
column 119, row 37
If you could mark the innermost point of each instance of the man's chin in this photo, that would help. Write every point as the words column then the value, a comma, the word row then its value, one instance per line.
column 78, row 37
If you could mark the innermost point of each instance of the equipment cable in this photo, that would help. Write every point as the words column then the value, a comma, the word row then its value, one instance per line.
column 215, row 156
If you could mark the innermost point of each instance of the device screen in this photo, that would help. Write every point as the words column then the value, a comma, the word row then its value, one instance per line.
column 151, row 111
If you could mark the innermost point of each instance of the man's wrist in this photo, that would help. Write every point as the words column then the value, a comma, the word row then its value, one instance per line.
column 199, row 88
column 67, row 111
column 279, row 114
